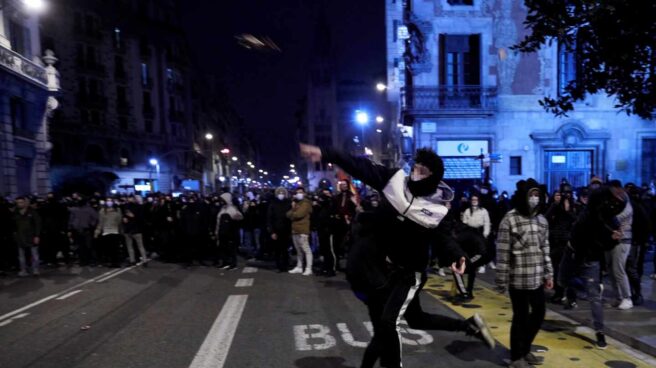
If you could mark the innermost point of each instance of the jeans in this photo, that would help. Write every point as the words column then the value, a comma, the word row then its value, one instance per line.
column 129, row 240
column 528, row 314
column 302, row 245
column 23, row 261
column 616, row 260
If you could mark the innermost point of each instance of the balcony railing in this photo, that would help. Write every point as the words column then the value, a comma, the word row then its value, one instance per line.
column 450, row 100
column 16, row 63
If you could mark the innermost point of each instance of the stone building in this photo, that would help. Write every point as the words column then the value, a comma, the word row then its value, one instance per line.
column 128, row 120
column 453, row 78
column 27, row 90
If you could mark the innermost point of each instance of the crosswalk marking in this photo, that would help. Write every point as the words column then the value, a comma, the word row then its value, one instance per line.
column 249, row 270
column 244, row 283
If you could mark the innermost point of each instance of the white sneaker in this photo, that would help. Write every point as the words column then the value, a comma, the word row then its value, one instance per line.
column 296, row 270
column 625, row 304
column 481, row 269
column 492, row 266
column 307, row 272
column 23, row 274
column 441, row 272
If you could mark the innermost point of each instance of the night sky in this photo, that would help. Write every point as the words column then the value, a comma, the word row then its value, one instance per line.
column 265, row 88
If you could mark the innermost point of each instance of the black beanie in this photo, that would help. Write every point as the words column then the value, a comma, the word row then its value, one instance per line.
column 432, row 161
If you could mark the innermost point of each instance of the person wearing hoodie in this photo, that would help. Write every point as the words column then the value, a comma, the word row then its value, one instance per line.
column 279, row 228
column 524, row 269
column 390, row 253
column 109, row 231
column 299, row 215
column 617, row 256
column 227, row 231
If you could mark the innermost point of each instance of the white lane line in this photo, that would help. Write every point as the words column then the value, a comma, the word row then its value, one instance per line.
column 69, row 294
column 214, row 351
column 249, row 270
column 10, row 320
column 41, row 301
column 120, row 272
column 244, row 283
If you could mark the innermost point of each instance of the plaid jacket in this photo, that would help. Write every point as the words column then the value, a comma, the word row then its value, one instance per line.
column 523, row 260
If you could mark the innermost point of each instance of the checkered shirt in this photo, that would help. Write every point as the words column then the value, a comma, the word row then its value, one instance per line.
column 523, row 260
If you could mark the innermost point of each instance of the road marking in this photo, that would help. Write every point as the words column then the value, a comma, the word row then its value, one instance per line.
column 69, row 294
column 249, row 270
column 41, row 301
column 303, row 333
column 120, row 272
column 214, row 351
column 244, row 283
column 10, row 320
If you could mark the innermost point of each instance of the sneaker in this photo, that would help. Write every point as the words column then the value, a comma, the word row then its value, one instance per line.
column 571, row 305
column 23, row 274
column 481, row 269
column 601, row 341
column 519, row 363
column 225, row 267
column 307, row 272
column 296, row 270
column 441, row 272
column 492, row 266
column 533, row 359
column 477, row 327
column 625, row 304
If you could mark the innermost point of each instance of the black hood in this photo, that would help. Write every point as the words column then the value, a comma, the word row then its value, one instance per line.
column 520, row 198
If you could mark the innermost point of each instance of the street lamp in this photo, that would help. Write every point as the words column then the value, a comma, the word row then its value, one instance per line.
column 234, row 158
column 36, row 6
column 381, row 87
column 380, row 119
column 292, row 166
column 249, row 163
column 209, row 136
column 225, row 151
column 153, row 162
column 379, row 130
column 362, row 118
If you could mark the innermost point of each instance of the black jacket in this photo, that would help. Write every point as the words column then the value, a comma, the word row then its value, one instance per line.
column 402, row 235
column 277, row 221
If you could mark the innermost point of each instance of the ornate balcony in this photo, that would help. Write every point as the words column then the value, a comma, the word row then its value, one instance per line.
column 449, row 101
column 24, row 68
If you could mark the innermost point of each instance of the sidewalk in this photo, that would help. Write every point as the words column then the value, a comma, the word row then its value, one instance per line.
column 635, row 327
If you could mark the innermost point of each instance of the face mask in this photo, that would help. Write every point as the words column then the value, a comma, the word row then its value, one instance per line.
column 417, row 177
column 374, row 204
column 102, row 203
column 424, row 187
column 281, row 197
column 299, row 196
column 474, row 204
column 533, row 202
column 109, row 204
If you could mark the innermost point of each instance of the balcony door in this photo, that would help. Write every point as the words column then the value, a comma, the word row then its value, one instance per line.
column 460, row 75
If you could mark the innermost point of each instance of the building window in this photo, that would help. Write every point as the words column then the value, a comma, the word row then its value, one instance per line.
column 123, row 123
column 649, row 161
column 19, row 37
column 567, row 66
column 460, row 60
column 461, row 2
column 144, row 74
column 17, row 111
column 118, row 40
column 515, row 165
column 91, row 56
column 148, row 126
column 119, row 68
column 77, row 22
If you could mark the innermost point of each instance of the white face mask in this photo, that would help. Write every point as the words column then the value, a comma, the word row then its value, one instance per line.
column 299, row 196
column 483, row 191
column 109, row 204
column 533, row 202
column 281, row 197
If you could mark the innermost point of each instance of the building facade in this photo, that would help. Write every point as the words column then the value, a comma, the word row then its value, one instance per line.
column 131, row 119
column 453, row 79
column 27, row 99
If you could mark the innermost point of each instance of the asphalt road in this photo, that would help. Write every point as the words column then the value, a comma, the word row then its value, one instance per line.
column 167, row 316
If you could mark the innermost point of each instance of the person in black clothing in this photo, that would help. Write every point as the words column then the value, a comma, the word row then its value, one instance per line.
column 640, row 231
column 344, row 210
column 133, row 225
column 561, row 216
column 323, row 217
column 279, row 228
column 7, row 248
column 165, row 221
column 390, row 253
column 194, row 221
column 55, row 225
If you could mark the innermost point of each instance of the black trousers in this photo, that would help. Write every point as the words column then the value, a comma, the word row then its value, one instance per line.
column 83, row 240
column 327, row 251
column 386, row 308
column 281, row 252
column 528, row 314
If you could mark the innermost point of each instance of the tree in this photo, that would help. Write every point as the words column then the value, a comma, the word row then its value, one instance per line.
column 614, row 42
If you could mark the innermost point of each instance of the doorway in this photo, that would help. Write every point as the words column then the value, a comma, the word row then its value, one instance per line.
column 574, row 166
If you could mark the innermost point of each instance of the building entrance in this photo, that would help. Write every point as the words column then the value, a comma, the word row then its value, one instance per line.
column 574, row 166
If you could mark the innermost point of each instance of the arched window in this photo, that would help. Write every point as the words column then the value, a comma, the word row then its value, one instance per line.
column 94, row 154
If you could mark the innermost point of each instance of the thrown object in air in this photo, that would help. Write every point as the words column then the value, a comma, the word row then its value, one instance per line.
column 258, row 43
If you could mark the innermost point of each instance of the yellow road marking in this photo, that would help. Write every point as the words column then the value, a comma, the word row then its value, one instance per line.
column 569, row 344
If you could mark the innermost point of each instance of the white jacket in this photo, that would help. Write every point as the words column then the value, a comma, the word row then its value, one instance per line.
column 477, row 218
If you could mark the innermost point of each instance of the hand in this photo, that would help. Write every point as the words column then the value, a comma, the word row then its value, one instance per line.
column 549, row 284
column 617, row 235
column 274, row 236
column 566, row 205
column 310, row 152
column 36, row 240
column 294, row 205
column 460, row 268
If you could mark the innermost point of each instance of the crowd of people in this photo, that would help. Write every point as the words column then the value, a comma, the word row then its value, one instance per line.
column 568, row 240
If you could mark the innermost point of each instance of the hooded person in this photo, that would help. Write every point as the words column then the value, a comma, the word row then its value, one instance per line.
column 227, row 231
column 524, row 269
column 391, row 249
